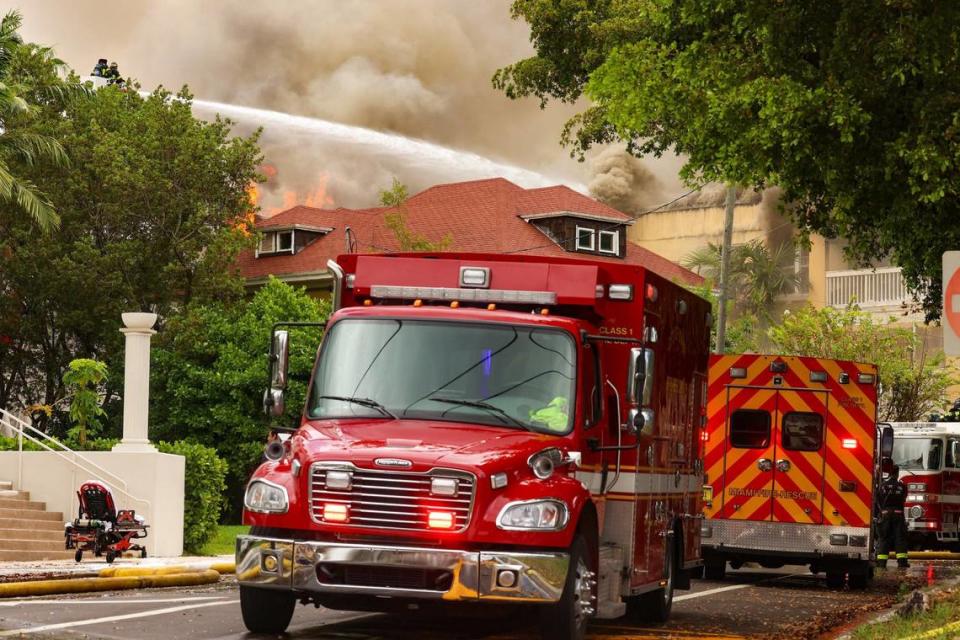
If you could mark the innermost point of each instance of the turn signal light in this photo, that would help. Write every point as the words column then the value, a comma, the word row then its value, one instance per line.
column 440, row 520
column 335, row 512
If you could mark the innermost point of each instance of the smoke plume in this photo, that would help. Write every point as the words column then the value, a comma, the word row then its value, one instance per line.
column 623, row 182
column 420, row 68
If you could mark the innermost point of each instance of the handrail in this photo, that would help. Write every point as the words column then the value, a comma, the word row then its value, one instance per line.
column 21, row 428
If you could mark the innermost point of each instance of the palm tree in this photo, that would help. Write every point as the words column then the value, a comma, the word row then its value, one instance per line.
column 20, row 98
column 757, row 275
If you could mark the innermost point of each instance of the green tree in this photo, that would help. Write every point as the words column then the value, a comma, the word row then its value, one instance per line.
column 911, row 384
column 396, row 220
column 757, row 275
column 210, row 372
column 83, row 380
column 29, row 81
column 850, row 107
column 153, row 209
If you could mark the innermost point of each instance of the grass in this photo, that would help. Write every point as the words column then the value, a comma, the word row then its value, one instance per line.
column 944, row 613
column 223, row 543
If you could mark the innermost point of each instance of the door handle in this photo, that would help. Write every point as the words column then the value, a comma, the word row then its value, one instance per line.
column 783, row 465
column 764, row 464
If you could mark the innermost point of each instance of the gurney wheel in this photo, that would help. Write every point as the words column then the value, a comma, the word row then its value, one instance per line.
column 110, row 556
column 78, row 556
column 143, row 553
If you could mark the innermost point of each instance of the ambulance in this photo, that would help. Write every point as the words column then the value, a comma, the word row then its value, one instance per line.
column 791, row 465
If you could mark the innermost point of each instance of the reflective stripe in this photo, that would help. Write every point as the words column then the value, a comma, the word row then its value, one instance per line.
column 900, row 556
column 882, row 556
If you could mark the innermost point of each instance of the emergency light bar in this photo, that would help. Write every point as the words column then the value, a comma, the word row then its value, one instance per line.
column 463, row 295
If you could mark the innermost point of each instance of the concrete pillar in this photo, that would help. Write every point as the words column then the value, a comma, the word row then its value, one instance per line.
column 136, row 383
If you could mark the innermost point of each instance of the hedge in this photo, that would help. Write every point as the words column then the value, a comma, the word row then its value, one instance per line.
column 204, row 487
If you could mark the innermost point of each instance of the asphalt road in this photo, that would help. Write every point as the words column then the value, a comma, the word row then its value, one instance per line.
column 787, row 603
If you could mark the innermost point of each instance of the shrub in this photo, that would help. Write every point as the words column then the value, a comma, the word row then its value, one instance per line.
column 203, row 491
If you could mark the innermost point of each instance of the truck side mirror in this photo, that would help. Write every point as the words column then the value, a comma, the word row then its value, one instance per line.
column 279, row 358
column 273, row 403
column 640, row 376
column 886, row 441
column 640, row 422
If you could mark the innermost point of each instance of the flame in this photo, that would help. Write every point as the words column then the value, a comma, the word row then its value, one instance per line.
column 316, row 197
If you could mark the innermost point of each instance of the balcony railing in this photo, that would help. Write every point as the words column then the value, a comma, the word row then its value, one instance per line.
column 883, row 287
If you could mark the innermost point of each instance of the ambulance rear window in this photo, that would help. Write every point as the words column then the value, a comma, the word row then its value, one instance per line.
column 750, row 429
column 802, row 431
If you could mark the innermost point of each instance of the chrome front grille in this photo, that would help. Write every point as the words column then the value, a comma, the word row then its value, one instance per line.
column 390, row 499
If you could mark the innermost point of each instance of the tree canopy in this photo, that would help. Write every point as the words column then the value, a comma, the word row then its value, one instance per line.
column 154, row 210
column 853, row 108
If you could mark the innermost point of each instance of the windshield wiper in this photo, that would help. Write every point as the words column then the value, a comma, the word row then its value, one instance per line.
column 363, row 402
column 480, row 404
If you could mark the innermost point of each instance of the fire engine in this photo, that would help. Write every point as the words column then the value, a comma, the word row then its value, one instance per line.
column 482, row 430
column 928, row 454
column 791, row 465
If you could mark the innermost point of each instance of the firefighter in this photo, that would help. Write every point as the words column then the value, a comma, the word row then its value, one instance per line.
column 112, row 74
column 892, row 529
column 100, row 70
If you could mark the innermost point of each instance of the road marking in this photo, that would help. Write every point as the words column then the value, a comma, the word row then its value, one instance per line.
column 128, row 616
column 14, row 603
column 733, row 587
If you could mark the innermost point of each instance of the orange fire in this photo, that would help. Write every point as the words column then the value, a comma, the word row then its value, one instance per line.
column 316, row 197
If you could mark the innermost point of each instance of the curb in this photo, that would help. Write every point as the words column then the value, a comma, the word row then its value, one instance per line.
column 86, row 585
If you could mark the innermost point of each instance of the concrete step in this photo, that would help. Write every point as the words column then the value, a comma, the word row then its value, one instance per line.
column 30, row 514
column 6, row 522
column 4, row 485
column 24, row 556
column 30, row 545
column 36, row 534
column 13, row 494
column 6, row 503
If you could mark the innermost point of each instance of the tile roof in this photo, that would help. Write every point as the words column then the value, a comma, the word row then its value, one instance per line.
column 482, row 216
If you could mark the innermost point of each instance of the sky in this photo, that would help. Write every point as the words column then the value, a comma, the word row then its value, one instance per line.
column 417, row 68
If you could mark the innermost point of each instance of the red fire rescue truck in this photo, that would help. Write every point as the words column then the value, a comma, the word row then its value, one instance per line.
column 928, row 454
column 486, row 429
column 790, row 465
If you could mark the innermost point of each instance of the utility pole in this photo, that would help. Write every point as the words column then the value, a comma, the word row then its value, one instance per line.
column 725, row 268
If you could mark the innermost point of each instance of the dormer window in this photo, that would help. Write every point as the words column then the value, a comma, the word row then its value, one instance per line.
column 586, row 239
column 610, row 242
column 276, row 242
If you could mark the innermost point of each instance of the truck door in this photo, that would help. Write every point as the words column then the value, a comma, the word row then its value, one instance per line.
column 798, row 470
column 750, row 453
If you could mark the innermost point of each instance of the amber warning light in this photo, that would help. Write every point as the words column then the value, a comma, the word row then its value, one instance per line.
column 440, row 520
column 335, row 512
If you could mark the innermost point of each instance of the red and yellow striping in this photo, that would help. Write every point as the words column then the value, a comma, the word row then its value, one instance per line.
column 830, row 484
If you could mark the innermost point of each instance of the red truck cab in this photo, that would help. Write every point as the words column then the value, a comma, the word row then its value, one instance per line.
column 487, row 429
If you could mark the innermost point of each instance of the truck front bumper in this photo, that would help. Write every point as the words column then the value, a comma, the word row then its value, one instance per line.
column 401, row 572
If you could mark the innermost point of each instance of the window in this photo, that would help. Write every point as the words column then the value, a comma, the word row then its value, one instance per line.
column 953, row 453
column 585, row 239
column 266, row 243
column 285, row 241
column 802, row 431
column 917, row 453
column 610, row 242
column 750, row 429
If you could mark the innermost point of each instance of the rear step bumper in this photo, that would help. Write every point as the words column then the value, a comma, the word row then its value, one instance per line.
column 747, row 537
column 401, row 572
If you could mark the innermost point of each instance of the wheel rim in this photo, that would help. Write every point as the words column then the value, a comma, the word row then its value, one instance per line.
column 668, row 589
column 583, row 592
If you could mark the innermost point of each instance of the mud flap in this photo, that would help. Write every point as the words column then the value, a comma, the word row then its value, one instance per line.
column 682, row 579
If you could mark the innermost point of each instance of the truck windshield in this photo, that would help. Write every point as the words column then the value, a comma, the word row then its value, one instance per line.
column 503, row 375
column 917, row 453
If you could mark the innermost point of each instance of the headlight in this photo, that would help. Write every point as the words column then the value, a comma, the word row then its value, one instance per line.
column 916, row 486
column 265, row 497
column 535, row 515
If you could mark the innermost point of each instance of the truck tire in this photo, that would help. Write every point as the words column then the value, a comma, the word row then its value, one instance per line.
column 655, row 606
column 266, row 610
column 835, row 578
column 567, row 620
column 715, row 569
column 859, row 580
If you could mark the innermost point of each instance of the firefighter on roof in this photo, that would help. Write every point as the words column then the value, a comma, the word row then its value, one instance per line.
column 892, row 530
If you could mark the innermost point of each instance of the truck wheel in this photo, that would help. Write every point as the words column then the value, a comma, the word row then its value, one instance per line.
column 567, row 620
column 715, row 569
column 266, row 610
column 835, row 579
column 655, row 606
column 859, row 580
